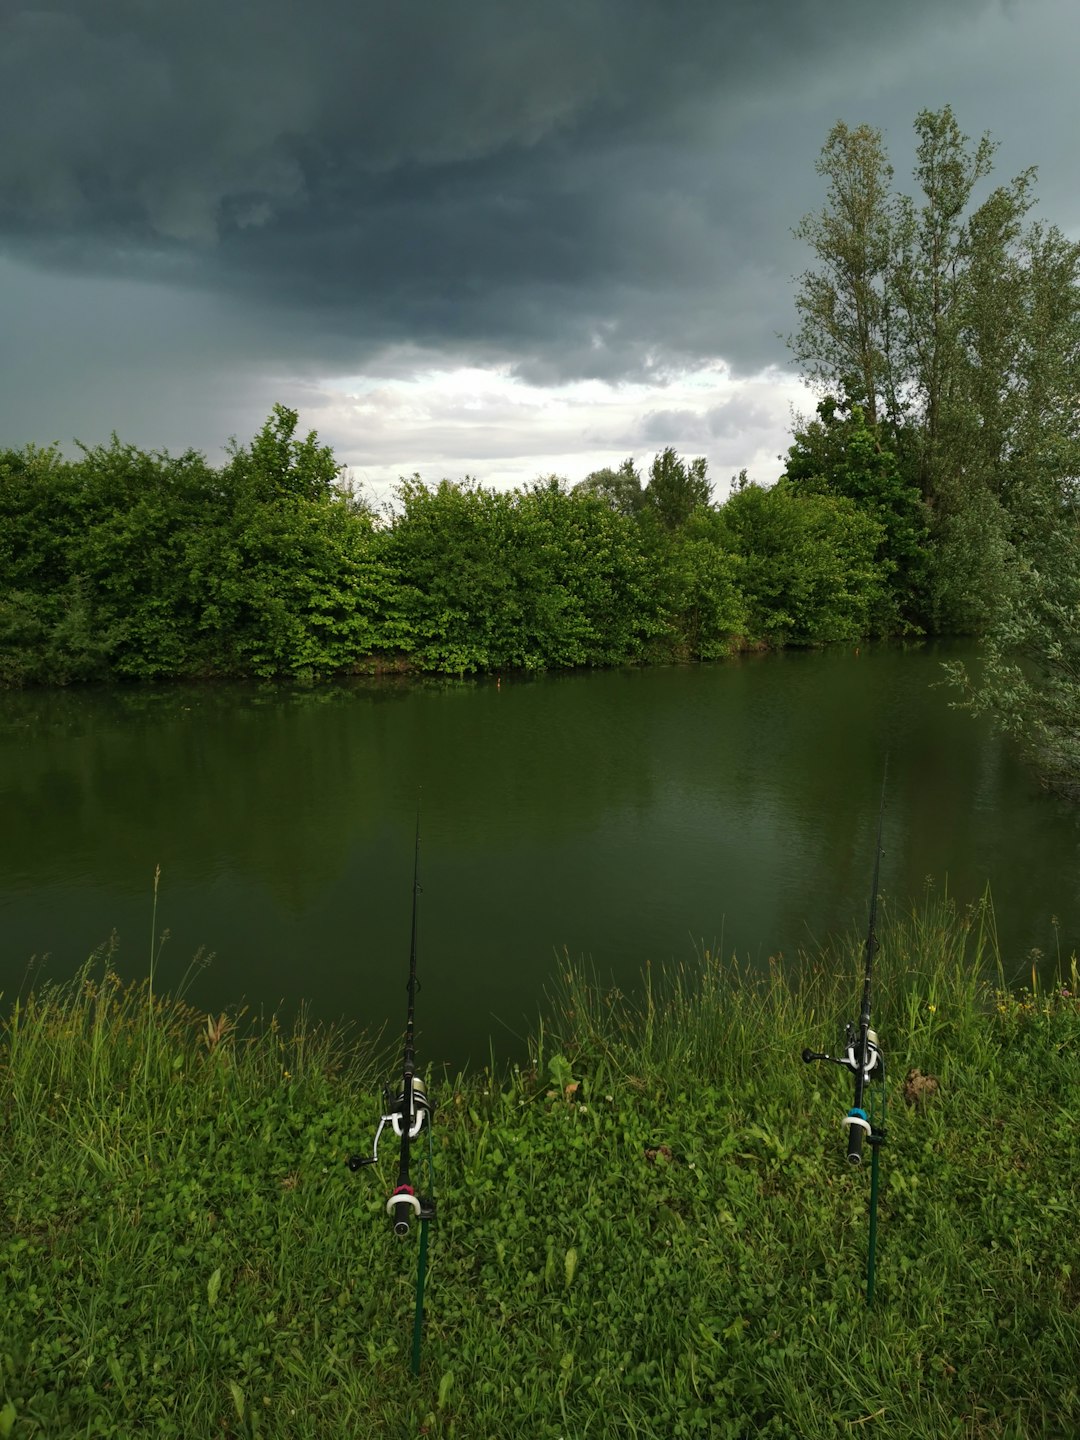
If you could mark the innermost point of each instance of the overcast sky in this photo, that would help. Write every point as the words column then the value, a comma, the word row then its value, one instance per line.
column 492, row 237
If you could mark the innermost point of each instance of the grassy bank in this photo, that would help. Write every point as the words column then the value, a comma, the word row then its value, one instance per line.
column 650, row 1231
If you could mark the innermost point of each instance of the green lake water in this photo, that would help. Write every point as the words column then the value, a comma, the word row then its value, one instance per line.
column 623, row 816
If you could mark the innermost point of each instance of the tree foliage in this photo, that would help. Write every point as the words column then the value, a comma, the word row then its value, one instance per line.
column 278, row 466
column 808, row 572
column 845, row 337
column 707, row 612
column 524, row 579
column 127, row 564
column 676, row 489
column 951, row 321
column 1029, row 678
column 131, row 565
column 842, row 454
column 620, row 488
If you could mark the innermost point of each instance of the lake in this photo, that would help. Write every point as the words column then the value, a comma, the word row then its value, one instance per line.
column 621, row 816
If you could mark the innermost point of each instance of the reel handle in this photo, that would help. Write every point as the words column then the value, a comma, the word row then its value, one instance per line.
column 809, row 1055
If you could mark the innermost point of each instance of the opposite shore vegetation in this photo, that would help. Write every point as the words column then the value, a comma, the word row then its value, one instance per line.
column 649, row 1229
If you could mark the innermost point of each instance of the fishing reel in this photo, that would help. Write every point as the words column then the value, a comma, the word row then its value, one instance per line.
column 404, row 1203
column 857, row 1121
column 396, row 1107
column 849, row 1059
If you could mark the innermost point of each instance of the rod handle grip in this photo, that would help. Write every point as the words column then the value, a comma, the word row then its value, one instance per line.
column 403, row 1204
column 858, row 1126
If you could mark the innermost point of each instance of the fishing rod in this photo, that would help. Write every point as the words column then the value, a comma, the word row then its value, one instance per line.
column 865, row 1121
column 407, row 1112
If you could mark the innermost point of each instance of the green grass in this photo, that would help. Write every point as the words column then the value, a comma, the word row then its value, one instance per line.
column 648, row 1231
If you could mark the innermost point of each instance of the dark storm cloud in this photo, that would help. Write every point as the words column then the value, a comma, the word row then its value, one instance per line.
column 585, row 188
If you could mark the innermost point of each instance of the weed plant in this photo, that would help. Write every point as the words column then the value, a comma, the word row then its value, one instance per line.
column 649, row 1230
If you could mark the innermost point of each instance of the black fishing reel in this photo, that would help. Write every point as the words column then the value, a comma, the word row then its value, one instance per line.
column 849, row 1059
column 394, row 1116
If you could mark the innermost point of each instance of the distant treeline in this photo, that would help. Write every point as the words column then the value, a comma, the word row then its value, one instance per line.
column 123, row 564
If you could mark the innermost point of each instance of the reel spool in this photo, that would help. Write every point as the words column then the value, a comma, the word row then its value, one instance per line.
column 421, row 1110
column 873, row 1053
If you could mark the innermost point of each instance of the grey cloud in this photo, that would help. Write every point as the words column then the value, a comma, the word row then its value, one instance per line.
column 659, row 426
column 733, row 419
column 734, row 422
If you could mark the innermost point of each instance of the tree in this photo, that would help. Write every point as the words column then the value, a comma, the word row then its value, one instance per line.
column 701, row 576
column 1029, row 679
column 676, row 489
column 526, row 579
column 956, row 322
column 277, row 464
column 923, row 312
column 454, row 607
column 141, row 513
column 140, row 565
column 841, row 453
column 846, row 309
column 808, row 572
column 621, row 488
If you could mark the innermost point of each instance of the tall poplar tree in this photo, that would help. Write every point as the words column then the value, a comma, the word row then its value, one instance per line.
column 846, row 308
column 931, row 313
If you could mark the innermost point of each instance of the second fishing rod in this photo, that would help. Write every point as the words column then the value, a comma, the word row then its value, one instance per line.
column 865, row 1120
column 408, row 1112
